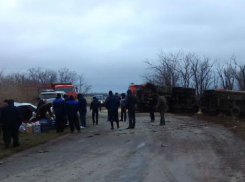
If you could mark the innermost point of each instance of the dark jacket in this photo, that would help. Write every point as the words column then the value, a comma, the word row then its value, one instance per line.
column 72, row 108
column 10, row 117
column 82, row 103
column 59, row 107
column 39, row 104
column 112, row 103
column 95, row 105
column 130, row 101
column 41, row 112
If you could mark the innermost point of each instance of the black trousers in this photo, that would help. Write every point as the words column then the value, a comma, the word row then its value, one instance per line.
column 74, row 123
column 123, row 114
column 8, row 134
column 95, row 114
column 60, row 123
column 152, row 115
column 131, row 116
column 113, row 116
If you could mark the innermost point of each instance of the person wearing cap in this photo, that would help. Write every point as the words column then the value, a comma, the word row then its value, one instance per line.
column 112, row 104
column 72, row 109
column 130, row 105
column 11, row 121
column 59, row 108
column 95, row 106
column 82, row 104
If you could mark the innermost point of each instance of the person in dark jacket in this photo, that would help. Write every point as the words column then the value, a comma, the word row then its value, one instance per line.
column 112, row 104
column 40, row 103
column 41, row 112
column 123, row 107
column 152, row 101
column 130, row 105
column 5, row 104
column 82, row 103
column 95, row 106
column 59, row 108
column 11, row 121
column 72, row 109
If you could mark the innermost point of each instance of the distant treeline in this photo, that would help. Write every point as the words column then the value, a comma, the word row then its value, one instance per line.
column 191, row 70
column 13, row 85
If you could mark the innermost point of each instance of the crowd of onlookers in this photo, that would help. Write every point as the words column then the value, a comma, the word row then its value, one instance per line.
column 65, row 110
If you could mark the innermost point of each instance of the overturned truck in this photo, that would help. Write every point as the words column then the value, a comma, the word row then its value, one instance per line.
column 179, row 99
column 231, row 102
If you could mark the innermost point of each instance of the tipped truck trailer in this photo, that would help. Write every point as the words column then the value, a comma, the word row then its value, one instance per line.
column 230, row 102
column 179, row 99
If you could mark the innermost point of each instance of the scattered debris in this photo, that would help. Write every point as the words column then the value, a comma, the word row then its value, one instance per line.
column 154, row 131
column 164, row 145
column 1, row 163
column 96, row 134
column 90, row 136
column 43, row 151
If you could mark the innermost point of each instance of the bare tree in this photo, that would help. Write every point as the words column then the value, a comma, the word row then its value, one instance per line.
column 41, row 76
column 185, row 70
column 165, row 72
column 226, row 75
column 202, row 74
column 239, row 72
column 66, row 75
column 82, row 85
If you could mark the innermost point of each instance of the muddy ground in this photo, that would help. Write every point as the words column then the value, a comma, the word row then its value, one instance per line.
column 186, row 149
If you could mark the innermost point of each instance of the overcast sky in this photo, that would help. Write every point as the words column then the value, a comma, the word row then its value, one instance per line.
column 108, row 40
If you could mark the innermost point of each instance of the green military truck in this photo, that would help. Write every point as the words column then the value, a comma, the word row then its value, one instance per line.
column 230, row 102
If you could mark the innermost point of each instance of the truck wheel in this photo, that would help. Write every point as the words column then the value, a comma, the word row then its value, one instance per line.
column 235, row 111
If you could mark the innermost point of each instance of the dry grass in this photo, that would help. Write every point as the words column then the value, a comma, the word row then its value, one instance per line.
column 28, row 140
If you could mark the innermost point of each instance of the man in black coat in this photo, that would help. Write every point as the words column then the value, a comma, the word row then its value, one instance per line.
column 95, row 106
column 59, row 108
column 11, row 121
column 130, row 105
column 5, row 104
column 82, row 104
column 112, row 104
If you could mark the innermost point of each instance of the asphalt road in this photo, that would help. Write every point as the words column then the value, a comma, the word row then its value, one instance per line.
column 184, row 150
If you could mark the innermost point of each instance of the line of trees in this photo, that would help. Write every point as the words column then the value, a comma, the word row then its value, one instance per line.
column 190, row 70
column 12, row 85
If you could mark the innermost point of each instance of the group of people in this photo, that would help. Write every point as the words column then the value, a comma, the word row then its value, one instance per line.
column 113, row 102
column 65, row 110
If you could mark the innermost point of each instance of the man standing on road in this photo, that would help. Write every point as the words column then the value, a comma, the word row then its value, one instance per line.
column 82, row 104
column 161, row 106
column 72, row 109
column 11, row 121
column 112, row 104
column 152, row 104
column 59, row 108
column 123, row 107
column 130, row 105
column 95, row 106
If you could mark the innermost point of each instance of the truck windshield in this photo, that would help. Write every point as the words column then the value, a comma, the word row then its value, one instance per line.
column 48, row 96
column 99, row 97
column 65, row 89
